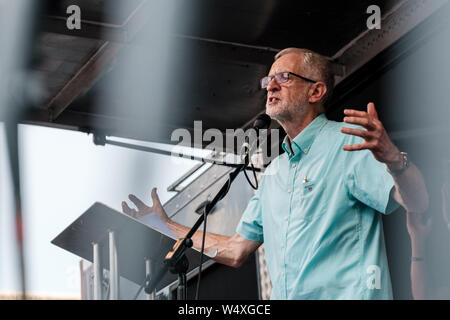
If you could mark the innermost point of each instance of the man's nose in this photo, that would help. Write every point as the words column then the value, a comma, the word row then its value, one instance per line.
column 273, row 85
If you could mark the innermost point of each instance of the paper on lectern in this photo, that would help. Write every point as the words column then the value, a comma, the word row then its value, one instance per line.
column 153, row 221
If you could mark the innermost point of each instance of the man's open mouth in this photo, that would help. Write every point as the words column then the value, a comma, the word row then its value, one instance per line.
column 273, row 99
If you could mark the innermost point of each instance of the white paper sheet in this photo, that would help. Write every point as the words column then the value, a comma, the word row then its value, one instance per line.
column 152, row 220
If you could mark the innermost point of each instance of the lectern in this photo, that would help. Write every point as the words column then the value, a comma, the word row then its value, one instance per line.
column 125, row 246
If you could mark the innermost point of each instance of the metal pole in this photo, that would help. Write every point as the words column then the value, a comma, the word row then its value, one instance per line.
column 148, row 275
column 113, row 267
column 181, row 292
column 101, row 140
column 97, row 272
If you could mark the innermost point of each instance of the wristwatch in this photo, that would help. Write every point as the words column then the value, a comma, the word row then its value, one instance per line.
column 405, row 159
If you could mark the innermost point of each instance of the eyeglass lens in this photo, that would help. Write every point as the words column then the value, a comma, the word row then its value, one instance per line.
column 279, row 78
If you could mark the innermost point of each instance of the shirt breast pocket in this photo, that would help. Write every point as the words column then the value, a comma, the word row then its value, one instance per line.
column 312, row 188
column 308, row 188
column 312, row 199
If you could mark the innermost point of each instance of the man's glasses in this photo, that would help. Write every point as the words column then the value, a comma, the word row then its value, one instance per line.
column 280, row 78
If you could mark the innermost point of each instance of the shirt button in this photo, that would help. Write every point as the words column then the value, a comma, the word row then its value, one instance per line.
column 286, row 218
column 289, row 190
column 282, row 274
column 282, row 245
column 305, row 150
column 293, row 165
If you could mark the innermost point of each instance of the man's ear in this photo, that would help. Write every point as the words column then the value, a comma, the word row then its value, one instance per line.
column 317, row 92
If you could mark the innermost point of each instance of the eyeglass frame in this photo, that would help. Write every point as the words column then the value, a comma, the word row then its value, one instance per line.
column 289, row 73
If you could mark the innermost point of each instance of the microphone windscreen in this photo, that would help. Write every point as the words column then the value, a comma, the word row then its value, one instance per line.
column 262, row 122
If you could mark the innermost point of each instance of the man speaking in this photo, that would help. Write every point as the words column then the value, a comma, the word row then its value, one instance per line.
column 317, row 210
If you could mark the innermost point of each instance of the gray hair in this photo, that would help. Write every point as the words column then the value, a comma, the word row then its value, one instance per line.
column 317, row 66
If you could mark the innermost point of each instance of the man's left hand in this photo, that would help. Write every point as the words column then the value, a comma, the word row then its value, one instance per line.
column 375, row 136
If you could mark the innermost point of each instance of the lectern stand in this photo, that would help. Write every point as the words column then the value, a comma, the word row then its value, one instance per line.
column 125, row 246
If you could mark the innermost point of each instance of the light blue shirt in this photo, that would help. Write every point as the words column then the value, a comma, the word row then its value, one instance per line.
column 316, row 212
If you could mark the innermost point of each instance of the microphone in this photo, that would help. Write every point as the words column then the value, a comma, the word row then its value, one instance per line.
column 262, row 122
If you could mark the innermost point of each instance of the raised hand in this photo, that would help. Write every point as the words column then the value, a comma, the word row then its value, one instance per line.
column 375, row 136
column 143, row 209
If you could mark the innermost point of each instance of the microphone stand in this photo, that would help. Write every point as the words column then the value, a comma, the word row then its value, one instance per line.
column 176, row 261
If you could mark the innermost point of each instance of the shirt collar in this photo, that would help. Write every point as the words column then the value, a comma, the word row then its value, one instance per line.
column 303, row 141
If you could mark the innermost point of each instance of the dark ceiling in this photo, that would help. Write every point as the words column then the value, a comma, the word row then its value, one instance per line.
column 322, row 26
column 225, row 48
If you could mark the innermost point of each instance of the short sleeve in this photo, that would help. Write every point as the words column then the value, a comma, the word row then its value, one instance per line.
column 369, row 182
column 250, row 226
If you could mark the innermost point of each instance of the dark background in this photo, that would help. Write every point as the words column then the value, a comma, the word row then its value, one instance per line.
column 411, row 94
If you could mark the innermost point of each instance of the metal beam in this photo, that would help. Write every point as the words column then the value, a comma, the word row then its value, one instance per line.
column 96, row 66
column 122, row 33
column 84, row 79
column 127, row 128
column 394, row 24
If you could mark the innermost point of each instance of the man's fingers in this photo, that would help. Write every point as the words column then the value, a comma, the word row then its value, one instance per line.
column 127, row 210
column 355, row 147
column 362, row 121
column 355, row 132
column 139, row 204
column 371, row 110
column 155, row 198
column 158, row 208
column 355, row 113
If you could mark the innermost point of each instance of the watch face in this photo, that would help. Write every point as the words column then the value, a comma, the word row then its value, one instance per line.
column 404, row 165
column 405, row 160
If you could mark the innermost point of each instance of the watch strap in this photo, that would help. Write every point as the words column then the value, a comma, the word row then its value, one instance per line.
column 405, row 160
